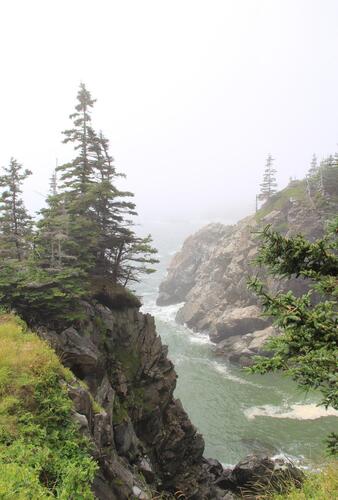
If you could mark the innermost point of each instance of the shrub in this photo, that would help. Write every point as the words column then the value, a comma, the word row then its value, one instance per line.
column 42, row 454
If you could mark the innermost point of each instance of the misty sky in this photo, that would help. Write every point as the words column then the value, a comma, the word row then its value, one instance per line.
column 193, row 94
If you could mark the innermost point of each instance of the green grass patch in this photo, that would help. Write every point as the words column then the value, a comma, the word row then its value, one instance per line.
column 42, row 454
column 317, row 486
column 295, row 191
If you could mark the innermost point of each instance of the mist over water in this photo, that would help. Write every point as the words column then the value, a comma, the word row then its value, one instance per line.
column 237, row 413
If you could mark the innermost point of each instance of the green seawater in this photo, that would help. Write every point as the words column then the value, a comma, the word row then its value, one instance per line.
column 236, row 412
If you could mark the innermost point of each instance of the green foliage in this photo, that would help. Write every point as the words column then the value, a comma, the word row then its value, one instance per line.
column 317, row 486
column 84, row 233
column 40, row 295
column 113, row 295
column 322, row 180
column 15, row 223
column 307, row 349
column 42, row 454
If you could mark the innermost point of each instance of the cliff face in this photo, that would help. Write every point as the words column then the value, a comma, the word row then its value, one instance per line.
column 210, row 272
column 143, row 440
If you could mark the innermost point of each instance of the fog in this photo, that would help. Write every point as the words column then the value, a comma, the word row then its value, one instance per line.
column 193, row 94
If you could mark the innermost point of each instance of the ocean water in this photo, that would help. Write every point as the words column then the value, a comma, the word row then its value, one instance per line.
column 236, row 412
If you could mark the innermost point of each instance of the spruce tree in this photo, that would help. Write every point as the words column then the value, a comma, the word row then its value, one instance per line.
column 313, row 170
column 15, row 222
column 269, row 184
column 77, row 180
column 122, row 256
column 307, row 348
column 53, row 231
column 313, row 179
column 77, row 175
column 131, row 258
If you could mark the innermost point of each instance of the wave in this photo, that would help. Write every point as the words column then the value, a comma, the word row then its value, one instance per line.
column 224, row 370
column 164, row 313
column 199, row 338
column 296, row 411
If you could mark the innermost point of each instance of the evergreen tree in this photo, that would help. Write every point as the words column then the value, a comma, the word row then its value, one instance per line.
column 77, row 180
column 131, row 258
column 328, row 176
column 122, row 256
column 313, row 178
column 77, row 175
column 99, row 214
column 269, row 183
column 313, row 170
column 84, row 245
column 15, row 222
column 53, row 231
column 307, row 348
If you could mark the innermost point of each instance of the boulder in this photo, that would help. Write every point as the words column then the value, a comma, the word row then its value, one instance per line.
column 239, row 321
column 78, row 353
column 257, row 474
column 242, row 349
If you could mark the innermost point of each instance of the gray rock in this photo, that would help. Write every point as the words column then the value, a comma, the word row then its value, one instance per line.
column 126, row 442
column 239, row 321
column 139, row 493
column 209, row 274
column 241, row 349
column 78, row 353
column 146, row 470
column 81, row 421
column 257, row 473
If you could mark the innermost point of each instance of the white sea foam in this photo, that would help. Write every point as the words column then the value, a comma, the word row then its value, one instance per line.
column 199, row 338
column 296, row 411
column 224, row 370
column 166, row 314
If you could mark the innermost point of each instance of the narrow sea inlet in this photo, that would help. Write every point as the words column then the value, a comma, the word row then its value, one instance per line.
column 236, row 412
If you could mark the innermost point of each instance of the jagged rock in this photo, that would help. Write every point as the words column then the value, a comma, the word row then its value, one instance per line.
column 256, row 473
column 127, row 409
column 78, row 353
column 103, row 430
column 81, row 421
column 209, row 274
column 242, row 349
column 196, row 249
column 126, row 406
column 238, row 321
column 126, row 442
column 81, row 399
column 146, row 470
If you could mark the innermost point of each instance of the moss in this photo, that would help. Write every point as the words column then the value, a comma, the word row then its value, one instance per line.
column 120, row 412
column 136, row 399
column 42, row 454
column 130, row 361
column 95, row 405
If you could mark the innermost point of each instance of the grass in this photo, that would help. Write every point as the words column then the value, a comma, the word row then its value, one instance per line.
column 296, row 191
column 42, row 454
column 314, row 486
column 317, row 486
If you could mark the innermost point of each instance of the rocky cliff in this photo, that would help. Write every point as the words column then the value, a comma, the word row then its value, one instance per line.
column 143, row 440
column 210, row 272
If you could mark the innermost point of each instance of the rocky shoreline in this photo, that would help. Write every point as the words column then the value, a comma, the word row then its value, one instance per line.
column 209, row 274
